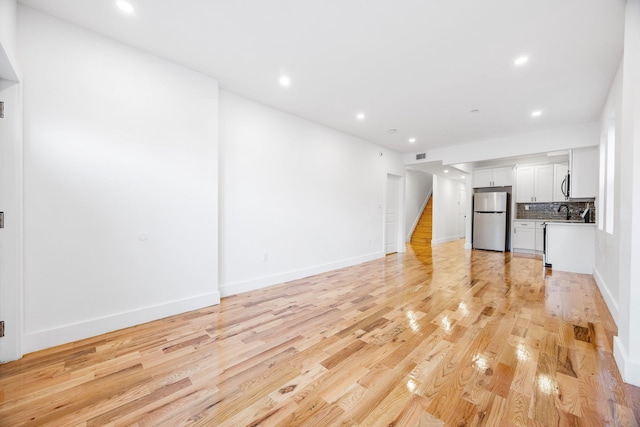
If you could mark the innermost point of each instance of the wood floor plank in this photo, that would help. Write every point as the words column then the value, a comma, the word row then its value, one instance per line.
column 436, row 336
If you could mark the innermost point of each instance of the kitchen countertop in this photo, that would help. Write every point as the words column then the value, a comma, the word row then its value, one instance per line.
column 557, row 221
column 560, row 222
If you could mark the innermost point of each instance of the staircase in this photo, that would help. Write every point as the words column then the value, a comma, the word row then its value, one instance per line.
column 422, row 234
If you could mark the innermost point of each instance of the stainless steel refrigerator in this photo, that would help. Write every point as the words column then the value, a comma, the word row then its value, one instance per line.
column 490, row 221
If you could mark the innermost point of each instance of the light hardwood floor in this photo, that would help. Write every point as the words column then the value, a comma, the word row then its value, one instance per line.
column 432, row 337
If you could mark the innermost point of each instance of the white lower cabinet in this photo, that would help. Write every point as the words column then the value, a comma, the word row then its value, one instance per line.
column 528, row 236
column 571, row 247
column 524, row 235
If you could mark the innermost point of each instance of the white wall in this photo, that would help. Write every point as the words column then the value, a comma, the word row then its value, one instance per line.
column 418, row 188
column 11, row 234
column 608, row 245
column 10, row 188
column 627, row 229
column 296, row 198
column 446, row 216
column 8, row 64
column 583, row 135
column 118, row 145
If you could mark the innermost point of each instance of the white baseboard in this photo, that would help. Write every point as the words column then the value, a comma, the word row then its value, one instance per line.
column 445, row 240
column 263, row 282
column 60, row 335
column 612, row 304
column 629, row 369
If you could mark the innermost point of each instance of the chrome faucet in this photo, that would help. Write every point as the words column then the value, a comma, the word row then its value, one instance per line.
column 567, row 208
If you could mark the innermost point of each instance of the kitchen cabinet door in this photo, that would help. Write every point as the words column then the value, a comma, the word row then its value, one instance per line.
column 534, row 184
column 584, row 172
column 544, row 184
column 525, row 184
column 524, row 235
column 503, row 177
column 482, row 178
column 496, row 177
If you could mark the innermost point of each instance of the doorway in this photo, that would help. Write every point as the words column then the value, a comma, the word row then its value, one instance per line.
column 393, row 234
column 462, row 212
column 11, row 231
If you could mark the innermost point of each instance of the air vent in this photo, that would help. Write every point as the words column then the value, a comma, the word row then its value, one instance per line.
column 421, row 156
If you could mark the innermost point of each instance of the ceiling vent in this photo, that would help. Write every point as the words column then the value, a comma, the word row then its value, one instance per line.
column 421, row 156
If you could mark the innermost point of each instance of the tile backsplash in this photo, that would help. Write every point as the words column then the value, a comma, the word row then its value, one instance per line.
column 550, row 210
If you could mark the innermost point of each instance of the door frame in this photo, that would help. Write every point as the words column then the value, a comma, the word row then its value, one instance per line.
column 11, row 236
column 398, row 181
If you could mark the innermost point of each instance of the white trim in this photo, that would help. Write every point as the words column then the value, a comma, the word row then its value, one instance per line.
column 263, row 282
column 12, row 247
column 446, row 239
column 629, row 369
column 417, row 220
column 51, row 337
column 611, row 302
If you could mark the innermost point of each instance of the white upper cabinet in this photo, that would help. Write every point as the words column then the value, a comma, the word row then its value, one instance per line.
column 544, row 183
column 495, row 177
column 503, row 177
column 482, row 178
column 560, row 171
column 584, row 173
column 534, row 184
column 525, row 184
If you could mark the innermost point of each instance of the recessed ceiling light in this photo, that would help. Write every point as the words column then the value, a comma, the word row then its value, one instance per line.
column 125, row 6
column 412, row 140
column 285, row 81
column 463, row 176
column 446, row 171
column 360, row 116
column 536, row 113
column 521, row 60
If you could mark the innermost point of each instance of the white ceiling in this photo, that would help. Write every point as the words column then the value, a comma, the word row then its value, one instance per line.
column 418, row 66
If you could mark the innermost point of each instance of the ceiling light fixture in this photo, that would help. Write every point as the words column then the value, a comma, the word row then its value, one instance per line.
column 446, row 171
column 285, row 81
column 360, row 116
column 521, row 60
column 536, row 113
column 463, row 176
column 412, row 140
column 125, row 6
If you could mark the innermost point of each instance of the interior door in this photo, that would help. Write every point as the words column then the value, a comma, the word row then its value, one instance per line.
column 10, row 233
column 392, row 214
column 462, row 212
